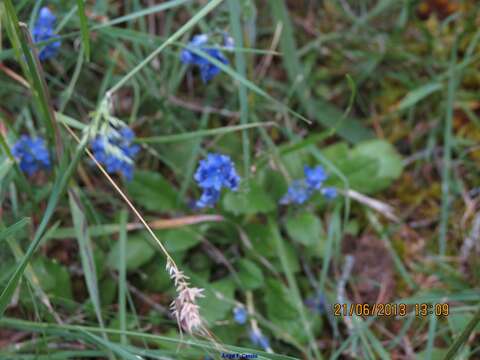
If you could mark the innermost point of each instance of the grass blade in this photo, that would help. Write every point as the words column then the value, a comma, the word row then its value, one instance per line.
column 9, row 231
column 240, row 64
column 57, row 190
column 86, row 252
column 84, row 28
column 329, row 116
column 122, row 277
column 201, row 133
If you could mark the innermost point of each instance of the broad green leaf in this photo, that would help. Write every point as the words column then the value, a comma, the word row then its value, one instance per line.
column 179, row 239
column 369, row 167
column 261, row 238
column 249, row 201
column 390, row 161
column 152, row 191
column 139, row 252
column 304, row 228
column 250, row 274
column 214, row 309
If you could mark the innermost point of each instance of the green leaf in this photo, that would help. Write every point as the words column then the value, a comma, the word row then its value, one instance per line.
column 138, row 252
column 252, row 200
column 369, row 167
column 152, row 191
column 390, row 161
column 418, row 94
column 282, row 311
column 179, row 239
column 304, row 228
column 250, row 274
column 458, row 321
column 53, row 277
column 214, row 309
column 261, row 238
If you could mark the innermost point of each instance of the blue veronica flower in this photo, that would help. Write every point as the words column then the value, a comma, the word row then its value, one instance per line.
column 314, row 177
column 215, row 172
column 207, row 70
column 43, row 31
column 32, row 154
column 301, row 190
column 258, row 339
column 330, row 193
column 240, row 315
column 297, row 193
column 116, row 152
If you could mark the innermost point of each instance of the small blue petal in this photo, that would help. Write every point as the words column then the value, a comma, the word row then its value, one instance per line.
column 330, row 193
column 240, row 315
column 297, row 193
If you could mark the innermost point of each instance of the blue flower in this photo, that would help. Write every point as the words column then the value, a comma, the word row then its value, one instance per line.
column 32, row 154
column 297, row 193
column 43, row 31
column 301, row 190
column 207, row 70
column 329, row 193
column 240, row 315
column 214, row 173
column 116, row 152
column 258, row 339
column 209, row 198
column 314, row 177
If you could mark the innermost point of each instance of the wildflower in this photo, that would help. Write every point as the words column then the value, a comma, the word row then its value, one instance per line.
column 314, row 177
column 297, row 193
column 301, row 190
column 214, row 173
column 116, row 152
column 32, row 154
column 258, row 339
column 329, row 193
column 207, row 70
column 43, row 31
column 240, row 315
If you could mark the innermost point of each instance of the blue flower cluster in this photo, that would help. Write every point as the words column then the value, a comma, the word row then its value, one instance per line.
column 116, row 152
column 43, row 31
column 301, row 190
column 207, row 70
column 214, row 173
column 32, row 154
